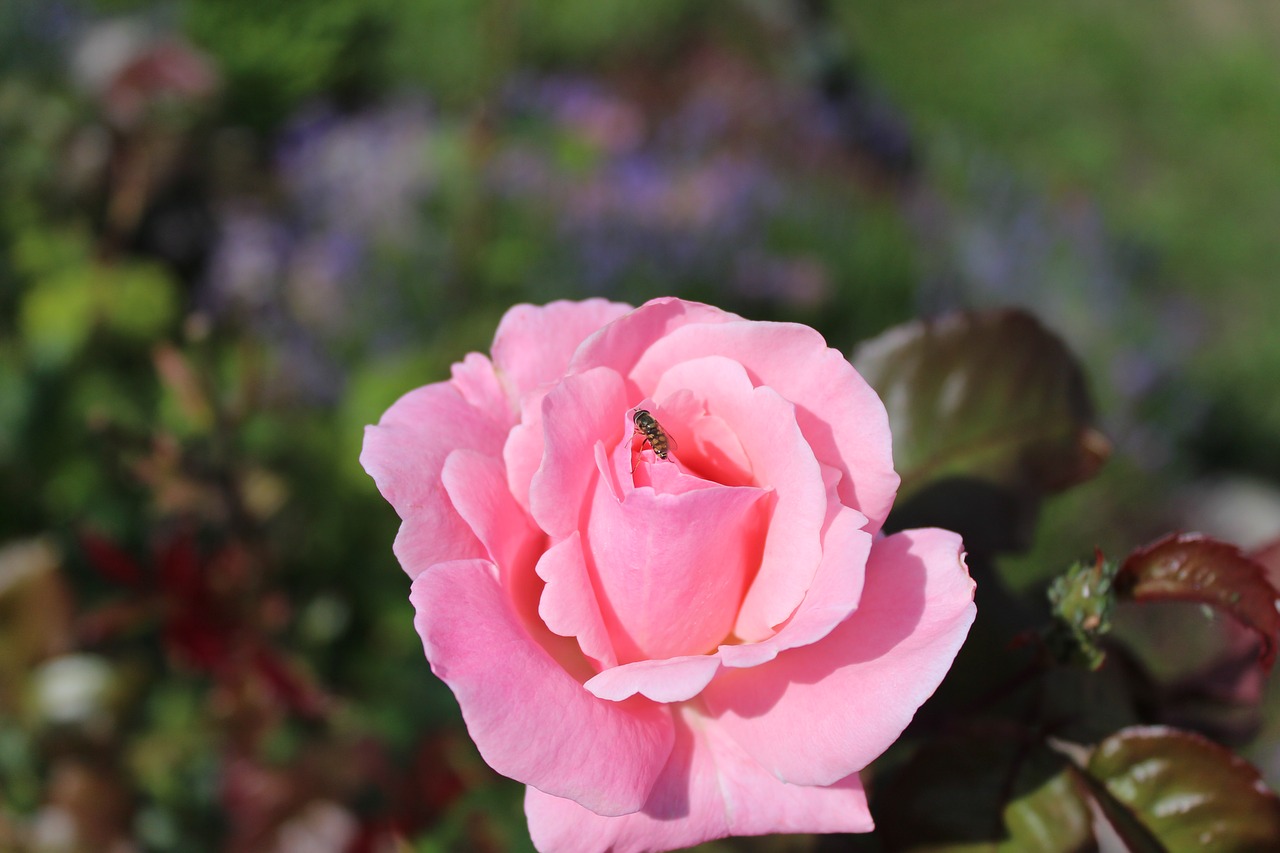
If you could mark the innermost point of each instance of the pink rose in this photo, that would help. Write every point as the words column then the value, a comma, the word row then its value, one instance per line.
column 673, row 650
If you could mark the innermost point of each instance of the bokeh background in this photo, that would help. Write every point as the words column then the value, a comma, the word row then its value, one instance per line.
column 232, row 232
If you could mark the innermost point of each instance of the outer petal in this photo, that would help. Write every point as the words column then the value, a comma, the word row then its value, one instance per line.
column 709, row 789
column 621, row 344
column 529, row 718
column 478, row 383
column 405, row 454
column 817, row 713
column 477, row 488
column 840, row 415
column 534, row 344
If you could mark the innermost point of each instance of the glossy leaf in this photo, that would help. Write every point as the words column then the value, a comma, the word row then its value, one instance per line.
column 1190, row 567
column 1164, row 789
column 992, row 397
column 984, row 791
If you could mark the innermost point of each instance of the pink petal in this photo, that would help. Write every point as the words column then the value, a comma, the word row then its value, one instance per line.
column 522, row 453
column 838, row 412
column 709, row 789
column 477, row 488
column 818, row 713
column 478, row 383
column 529, row 718
column 669, row 680
column 568, row 606
column 622, row 343
column 405, row 454
column 576, row 414
column 670, row 569
column 837, row 586
column 782, row 461
column 534, row 344
column 834, row 594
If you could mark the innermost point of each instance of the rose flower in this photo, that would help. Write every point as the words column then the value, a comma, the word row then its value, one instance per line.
column 678, row 625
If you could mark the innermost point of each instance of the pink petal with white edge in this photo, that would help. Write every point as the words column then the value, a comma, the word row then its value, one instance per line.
column 405, row 454
column 840, row 415
column 534, row 344
column 709, row 789
column 783, row 462
column 568, row 605
column 621, row 344
column 576, row 414
column 820, row 712
column 528, row 717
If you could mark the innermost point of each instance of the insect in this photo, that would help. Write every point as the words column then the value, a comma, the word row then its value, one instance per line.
column 654, row 435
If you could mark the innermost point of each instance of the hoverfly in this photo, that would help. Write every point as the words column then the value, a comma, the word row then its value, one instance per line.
column 654, row 435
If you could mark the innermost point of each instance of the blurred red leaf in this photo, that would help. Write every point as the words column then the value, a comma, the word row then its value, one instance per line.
column 288, row 684
column 110, row 561
column 178, row 567
column 1191, row 567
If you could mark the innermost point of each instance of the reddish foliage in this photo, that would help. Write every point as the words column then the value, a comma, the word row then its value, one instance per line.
column 1191, row 567
column 110, row 561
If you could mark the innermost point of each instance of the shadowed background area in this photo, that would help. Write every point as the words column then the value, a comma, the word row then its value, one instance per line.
column 233, row 232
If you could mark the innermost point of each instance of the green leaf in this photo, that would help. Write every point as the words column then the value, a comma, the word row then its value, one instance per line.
column 988, row 790
column 57, row 316
column 1191, row 567
column 992, row 397
column 139, row 300
column 1164, row 789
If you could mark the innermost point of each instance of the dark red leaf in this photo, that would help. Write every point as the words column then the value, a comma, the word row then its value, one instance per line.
column 293, row 688
column 992, row 396
column 196, row 640
column 110, row 561
column 179, row 567
column 1191, row 567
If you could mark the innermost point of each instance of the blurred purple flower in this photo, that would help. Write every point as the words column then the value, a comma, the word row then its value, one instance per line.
column 248, row 262
column 363, row 173
column 669, row 199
